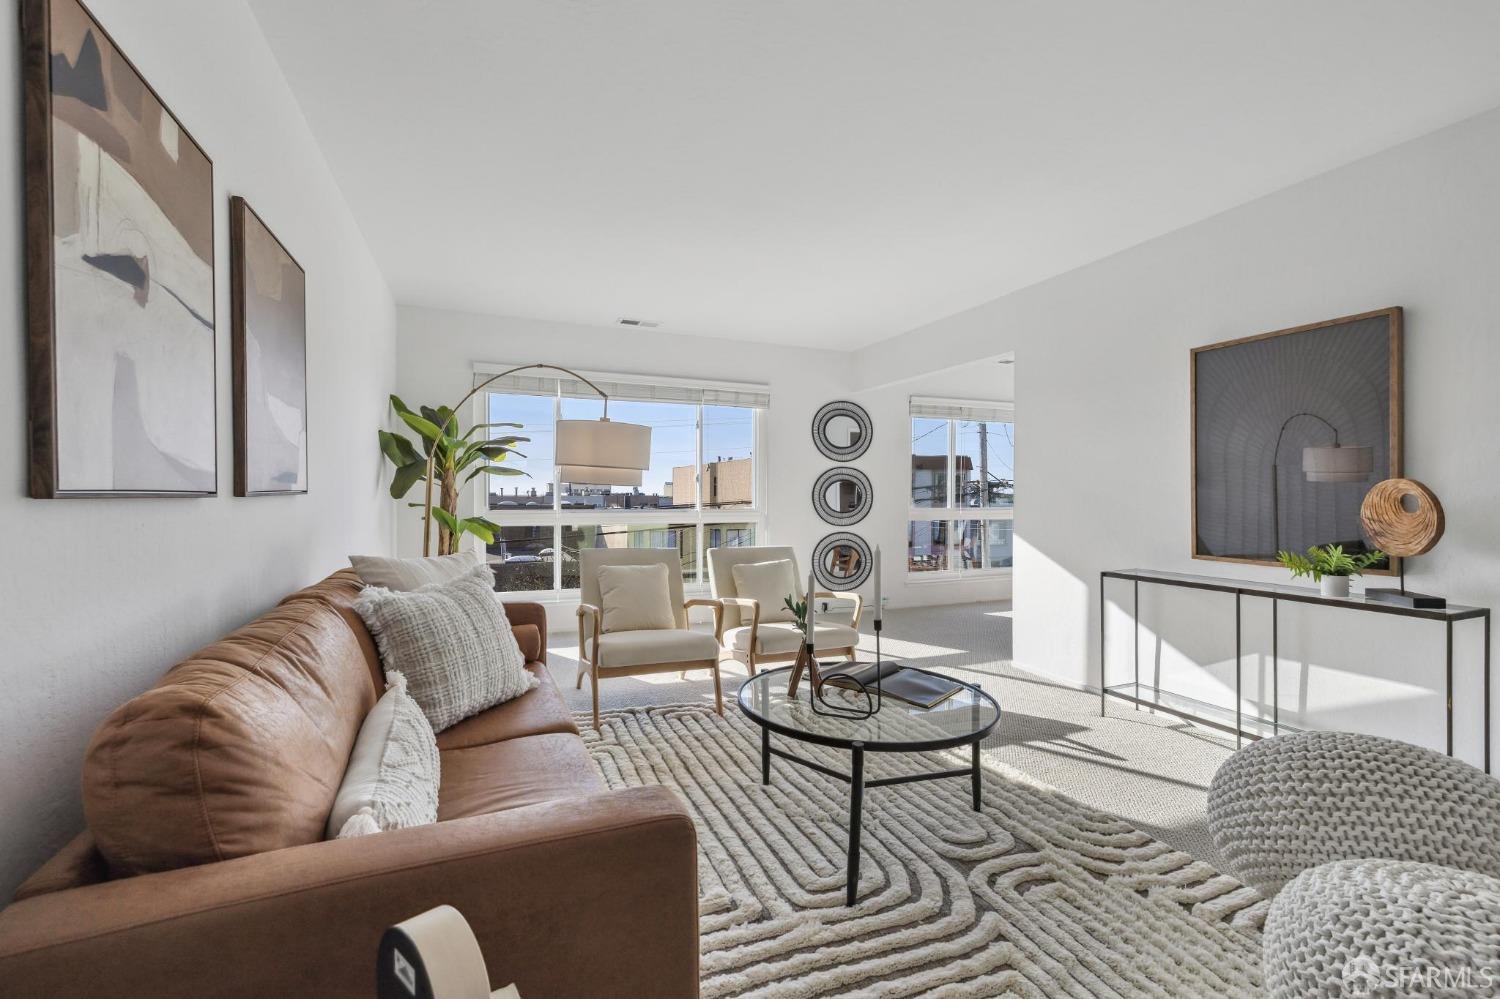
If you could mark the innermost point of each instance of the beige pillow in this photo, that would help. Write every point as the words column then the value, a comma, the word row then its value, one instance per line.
column 635, row 598
column 403, row 574
column 770, row 583
column 392, row 778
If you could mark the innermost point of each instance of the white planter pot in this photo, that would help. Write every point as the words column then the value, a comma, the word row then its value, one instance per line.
column 1336, row 586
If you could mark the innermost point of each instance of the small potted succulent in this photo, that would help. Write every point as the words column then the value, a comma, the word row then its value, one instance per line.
column 1330, row 566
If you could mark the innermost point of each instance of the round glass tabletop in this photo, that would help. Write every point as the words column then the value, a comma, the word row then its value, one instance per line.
column 963, row 718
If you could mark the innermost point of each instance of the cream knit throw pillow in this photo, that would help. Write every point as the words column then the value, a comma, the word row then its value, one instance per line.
column 392, row 778
column 451, row 641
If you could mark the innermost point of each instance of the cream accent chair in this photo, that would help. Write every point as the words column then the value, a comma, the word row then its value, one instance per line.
column 635, row 653
column 755, row 642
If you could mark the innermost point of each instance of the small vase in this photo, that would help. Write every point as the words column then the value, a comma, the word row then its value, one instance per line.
column 1336, row 587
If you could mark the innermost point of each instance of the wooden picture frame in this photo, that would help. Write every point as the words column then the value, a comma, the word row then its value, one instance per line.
column 1243, row 390
column 120, row 280
column 268, row 305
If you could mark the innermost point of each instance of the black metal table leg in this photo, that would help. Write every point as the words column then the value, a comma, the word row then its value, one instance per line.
column 1239, row 727
column 856, row 806
column 1450, row 688
column 1101, row 648
column 765, row 755
column 1275, row 667
column 1486, row 691
column 1136, row 613
column 974, row 778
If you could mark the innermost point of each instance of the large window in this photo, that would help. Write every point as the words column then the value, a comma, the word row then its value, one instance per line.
column 963, row 488
column 702, row 490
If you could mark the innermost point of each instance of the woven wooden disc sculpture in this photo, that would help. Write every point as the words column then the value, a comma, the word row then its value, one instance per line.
column 1395, row 529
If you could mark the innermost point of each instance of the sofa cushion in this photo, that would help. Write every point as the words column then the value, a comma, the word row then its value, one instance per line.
column 775, row 637
column 451, row 641
column 392, row 778
column 515, row 773
column 413, row 573
column 535, row 713
column 648, row 648
column 238, row 750
column 770, row 583
column 339, row 591
column 635, row 598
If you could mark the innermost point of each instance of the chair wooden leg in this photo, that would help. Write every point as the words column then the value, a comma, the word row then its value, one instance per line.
column 718, row 691
column 594, row 683
column 750, row 662
column 578, row 680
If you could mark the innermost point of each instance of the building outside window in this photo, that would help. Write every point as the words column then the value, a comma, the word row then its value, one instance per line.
column 701, row 491
column 962, row 488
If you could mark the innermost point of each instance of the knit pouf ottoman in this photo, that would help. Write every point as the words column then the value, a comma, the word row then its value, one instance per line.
column 1384, row 928
column 1283, row 805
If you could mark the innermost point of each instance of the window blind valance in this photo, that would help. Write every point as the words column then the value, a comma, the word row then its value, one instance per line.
column 962, row 409
column 626, row 389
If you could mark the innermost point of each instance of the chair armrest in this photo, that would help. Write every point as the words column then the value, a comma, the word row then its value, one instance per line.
column 588, row 610
column 753, row 606
column 521, row 613
column 718, row 609
column 859, row 603
column 614, row 873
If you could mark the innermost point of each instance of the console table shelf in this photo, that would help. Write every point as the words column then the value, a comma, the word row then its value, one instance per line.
column 1276, row 593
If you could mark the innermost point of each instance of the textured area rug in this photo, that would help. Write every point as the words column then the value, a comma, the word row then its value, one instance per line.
column 1035, row 896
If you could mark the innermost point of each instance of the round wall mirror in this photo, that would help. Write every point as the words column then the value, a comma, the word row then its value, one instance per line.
column 842, row 496
column 842, row 561
column 842, row 430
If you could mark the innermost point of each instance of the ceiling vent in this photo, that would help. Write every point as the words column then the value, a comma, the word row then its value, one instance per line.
column 649, row 324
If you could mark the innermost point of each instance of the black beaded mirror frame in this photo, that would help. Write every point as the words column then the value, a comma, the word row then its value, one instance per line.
column 832, row 541
column 833, row 515
column 855, row 412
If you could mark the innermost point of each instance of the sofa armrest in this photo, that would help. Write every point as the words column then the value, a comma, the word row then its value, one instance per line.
column 523, row 613
column 586, row 896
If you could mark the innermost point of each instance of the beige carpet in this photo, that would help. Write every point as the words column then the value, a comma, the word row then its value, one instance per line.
column 1149, row 769
column 1037, row 895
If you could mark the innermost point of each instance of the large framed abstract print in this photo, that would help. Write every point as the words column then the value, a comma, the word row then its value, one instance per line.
column 119, row 272
column 1290, row 430
column 268, row 294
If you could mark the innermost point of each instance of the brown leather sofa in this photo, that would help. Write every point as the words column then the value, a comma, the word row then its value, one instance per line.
column 204, row 871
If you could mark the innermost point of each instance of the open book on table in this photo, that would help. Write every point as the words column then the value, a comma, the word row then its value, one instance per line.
column 924, row 690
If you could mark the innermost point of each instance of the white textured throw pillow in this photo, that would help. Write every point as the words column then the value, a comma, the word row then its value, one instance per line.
column 392, row 778
column 451, row 641
column 635, row 598
column 411, row 573
column 770, row 583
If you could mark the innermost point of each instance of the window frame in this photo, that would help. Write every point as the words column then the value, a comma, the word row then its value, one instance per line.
column 954, row 515
column 698, row 516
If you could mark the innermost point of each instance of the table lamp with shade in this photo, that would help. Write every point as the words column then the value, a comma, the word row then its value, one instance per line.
column 588, row 452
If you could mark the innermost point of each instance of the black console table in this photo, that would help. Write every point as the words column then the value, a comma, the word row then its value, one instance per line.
column 1276, row 593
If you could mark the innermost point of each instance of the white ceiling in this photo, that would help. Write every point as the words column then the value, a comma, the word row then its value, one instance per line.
column 839, row 171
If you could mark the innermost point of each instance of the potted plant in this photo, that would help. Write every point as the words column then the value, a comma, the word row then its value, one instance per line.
column 799, row 613
column 1330, row 566
column 449, row 454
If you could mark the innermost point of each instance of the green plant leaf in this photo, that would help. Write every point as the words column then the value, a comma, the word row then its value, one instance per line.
column 492, row 470
column 485, row 426
column 421, row 425
column 447, row 520
column 407, row 476
column 398, row 449
column 398, row 405
column 482, row 529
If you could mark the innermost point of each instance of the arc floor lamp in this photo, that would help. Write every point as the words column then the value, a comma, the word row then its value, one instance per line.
column 594, row 452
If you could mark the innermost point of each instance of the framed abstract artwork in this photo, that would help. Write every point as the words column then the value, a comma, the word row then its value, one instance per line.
column 119, row 272
column 268, row 334
column 1290, row 430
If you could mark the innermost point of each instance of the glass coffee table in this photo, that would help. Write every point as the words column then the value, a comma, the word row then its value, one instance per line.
column 962, row 720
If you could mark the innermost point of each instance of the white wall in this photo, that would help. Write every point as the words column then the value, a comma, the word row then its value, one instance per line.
column 100, row 596
column 1103, row 422
column 437, row 350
